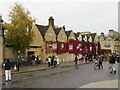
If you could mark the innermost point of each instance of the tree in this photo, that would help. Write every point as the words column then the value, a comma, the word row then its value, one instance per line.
column 20, row 33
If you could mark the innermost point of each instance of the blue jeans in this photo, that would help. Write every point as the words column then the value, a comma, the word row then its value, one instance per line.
column 113, row 66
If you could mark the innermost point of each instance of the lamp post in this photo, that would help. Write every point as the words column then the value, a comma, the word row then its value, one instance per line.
column 18, row 60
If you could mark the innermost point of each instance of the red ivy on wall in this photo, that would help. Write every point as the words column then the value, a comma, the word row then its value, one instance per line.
column 78, row 47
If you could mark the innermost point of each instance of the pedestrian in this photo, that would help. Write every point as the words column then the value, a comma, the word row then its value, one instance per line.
column 112, row 63
column 52, row 60
column 57, row 61
column 33, row 59
column 100, row 59
column 76, row 62
column 37, row 60
column 86, row 59
column 7, row 66
column 49, row 61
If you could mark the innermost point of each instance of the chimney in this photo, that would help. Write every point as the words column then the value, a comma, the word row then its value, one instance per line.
column 102, row 34
column 64, row 27
column 111, row 32
column 51, row 21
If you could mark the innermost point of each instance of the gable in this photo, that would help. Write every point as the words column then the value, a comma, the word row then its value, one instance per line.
column 50, row 35
column 38, row 39
column 72, row 36
column 109, row 38
column 62, row 36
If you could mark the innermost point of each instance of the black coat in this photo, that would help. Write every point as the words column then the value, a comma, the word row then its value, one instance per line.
column 7, row 66
column 112, row 60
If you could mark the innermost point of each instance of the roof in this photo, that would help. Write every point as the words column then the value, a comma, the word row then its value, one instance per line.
column 42, row 29
column 68, row 33
column 57, row 30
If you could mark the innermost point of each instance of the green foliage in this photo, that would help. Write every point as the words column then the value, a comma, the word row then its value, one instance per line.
column 20, row 33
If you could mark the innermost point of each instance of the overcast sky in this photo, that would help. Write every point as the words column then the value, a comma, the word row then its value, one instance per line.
column 95, row 16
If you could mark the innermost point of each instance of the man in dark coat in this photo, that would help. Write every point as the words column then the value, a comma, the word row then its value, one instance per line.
column 76, row 62
column 7, row 66
column 100, row 59
column 112, row 63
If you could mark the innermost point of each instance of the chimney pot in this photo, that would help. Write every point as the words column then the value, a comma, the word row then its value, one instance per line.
column 51, row 21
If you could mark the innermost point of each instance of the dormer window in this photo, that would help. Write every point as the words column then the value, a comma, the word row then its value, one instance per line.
column 80, row 37
column 90, row 39
column 85, row 38
column 50, row 33
column 71, row 37
column 62, row 35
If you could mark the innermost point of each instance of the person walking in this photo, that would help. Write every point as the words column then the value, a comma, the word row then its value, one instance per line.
column 76, row 62
column 57, row 61
column 52, row 60
column 112, row 63
column 33, row 59
column 49, row 61
column 7, row 66
column 100, row 59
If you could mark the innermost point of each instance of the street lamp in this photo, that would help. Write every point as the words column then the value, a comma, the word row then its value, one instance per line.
column 18, row 60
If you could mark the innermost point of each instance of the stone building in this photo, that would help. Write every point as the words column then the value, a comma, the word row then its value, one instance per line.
column 110, row 41
column 46, row 39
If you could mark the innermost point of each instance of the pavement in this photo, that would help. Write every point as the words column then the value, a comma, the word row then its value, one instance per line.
column 39, row 67
column 102, row 84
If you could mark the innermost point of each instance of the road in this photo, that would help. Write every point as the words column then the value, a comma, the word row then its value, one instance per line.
column 66, row 77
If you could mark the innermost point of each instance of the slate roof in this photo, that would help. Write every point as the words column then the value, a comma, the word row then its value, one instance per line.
column 76, row 35
column 68, row 33
column 42, row 29
column 57, row 30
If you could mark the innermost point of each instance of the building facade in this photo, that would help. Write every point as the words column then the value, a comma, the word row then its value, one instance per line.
column 110, row 41
column 53, row 40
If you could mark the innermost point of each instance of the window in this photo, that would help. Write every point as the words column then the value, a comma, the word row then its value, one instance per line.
column 72, row 55
column 70, row 47
column 62, row 35
column 80, row 37
column 79, row 56
column 90, row 39
column 78, row 46
column 85, row 38
column 90, row 48
column 50, row 33
column 108, row 42
column 72, row 37
column 54, row 45
column 62, row 45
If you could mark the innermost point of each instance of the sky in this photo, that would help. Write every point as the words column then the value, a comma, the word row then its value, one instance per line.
column 95, row 16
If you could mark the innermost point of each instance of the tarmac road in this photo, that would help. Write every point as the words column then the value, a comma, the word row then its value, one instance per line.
column 66, row 77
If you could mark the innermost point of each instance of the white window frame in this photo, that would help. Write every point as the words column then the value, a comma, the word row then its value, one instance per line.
column 51, row 33
column 85, row 38
column 62, row 45
column 79, row 56
column 70, row 47
column 72, row 37
column 62, row 35
column 90, row 39
column 80, row 37
column 54, row 46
